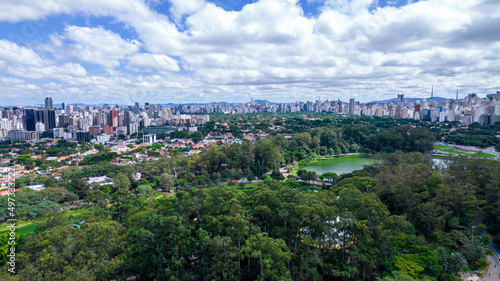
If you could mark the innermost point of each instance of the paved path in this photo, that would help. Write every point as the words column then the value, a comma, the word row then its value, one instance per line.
column 493, row 269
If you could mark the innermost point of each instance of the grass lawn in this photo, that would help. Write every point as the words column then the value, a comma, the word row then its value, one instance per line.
column 27, row 227
column 19, row 225
column 449, row 149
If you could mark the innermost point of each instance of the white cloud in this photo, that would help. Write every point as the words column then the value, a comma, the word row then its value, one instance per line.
column 183, row 7
column 26, row 63
column 150, row 62
column 269, row 49
column 12, row 53
column 93, row 45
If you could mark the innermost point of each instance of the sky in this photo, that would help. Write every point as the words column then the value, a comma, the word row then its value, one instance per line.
column 184, row 51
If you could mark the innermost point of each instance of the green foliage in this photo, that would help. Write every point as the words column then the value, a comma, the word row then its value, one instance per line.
column 99, row 157
column 58, row 195
column 122, row 181
column 144, row 188
column 405, row 263
column 6, row 244
column 29, row 204
column 277, row 175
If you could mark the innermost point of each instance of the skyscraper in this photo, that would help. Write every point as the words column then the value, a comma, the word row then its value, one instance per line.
column 351, row 106
column 48, row 103
column 29, row 119
column 113, row 117
column 47, row 117
column 126, row 117
column 63, row 120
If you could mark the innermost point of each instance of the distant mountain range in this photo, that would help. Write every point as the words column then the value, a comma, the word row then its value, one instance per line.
column 412, row 99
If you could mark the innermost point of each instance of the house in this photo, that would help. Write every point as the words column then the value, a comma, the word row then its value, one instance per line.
column 37, row 187
column 103, row 180
column 7, row 192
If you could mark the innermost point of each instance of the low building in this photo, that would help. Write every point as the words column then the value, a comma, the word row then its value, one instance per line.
column 149, row 139
column 104, row 180
column 121, row 130
column 37, row 187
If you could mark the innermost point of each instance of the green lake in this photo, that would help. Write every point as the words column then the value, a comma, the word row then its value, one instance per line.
column 339, row 165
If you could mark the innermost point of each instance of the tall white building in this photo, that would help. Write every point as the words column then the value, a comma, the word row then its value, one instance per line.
column 134, row 128
column 5, row 124
column 40, row 127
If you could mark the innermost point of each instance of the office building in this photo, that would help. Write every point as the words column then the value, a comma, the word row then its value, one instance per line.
column 48, row 103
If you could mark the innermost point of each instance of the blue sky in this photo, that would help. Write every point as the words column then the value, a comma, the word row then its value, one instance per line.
column 122, row 51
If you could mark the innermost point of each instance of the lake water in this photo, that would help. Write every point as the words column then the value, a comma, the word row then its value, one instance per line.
column 347, row 164
column 340, row 165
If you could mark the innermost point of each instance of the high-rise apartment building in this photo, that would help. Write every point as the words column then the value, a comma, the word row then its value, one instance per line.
column 48, row 103
column 108, row 130
column 95, row 130
column 63, row 120
column 133, row 128
column 351, row 106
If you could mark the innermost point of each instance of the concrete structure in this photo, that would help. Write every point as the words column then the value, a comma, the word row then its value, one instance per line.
column 149, row 139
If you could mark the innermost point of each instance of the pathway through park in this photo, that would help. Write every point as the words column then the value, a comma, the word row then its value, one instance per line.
column 493, row 269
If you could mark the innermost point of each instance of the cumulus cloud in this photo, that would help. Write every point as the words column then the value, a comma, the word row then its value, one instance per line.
column 182, row 7
column 26, row 63
column 267, row 49
column 151, row 62
column 93, row 45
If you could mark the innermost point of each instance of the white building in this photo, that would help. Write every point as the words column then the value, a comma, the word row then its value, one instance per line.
column 149, row 139
column 40, row 127
column 102, row 139
column 121, row 130
column 36, row 187
column 104, row 180
column 134, row 128
column 6, row 124
column 58, row 132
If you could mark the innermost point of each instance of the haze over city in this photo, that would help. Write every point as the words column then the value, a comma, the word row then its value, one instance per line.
column 281, row 51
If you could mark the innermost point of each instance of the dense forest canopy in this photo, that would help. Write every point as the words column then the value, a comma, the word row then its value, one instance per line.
column 401, row 218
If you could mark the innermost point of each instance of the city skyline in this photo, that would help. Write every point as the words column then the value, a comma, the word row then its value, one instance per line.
column 278, row 50
column 49, row 104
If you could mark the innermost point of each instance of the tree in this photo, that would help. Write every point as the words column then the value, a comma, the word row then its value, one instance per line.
column 196, row 136
column 277, row 175
column 79, row 187
column 144, row 188
column 307, row 176
column 167, row 181
column 456, row 262
column 271, row 254
column 93, row 252
column 58, row 195
column 97, row 196
column 267, row 156
column 330, row 176
column 223, row 263
column 121, row 181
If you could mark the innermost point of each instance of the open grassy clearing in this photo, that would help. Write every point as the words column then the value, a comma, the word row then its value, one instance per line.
column 449, row 149
column 27, row 227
